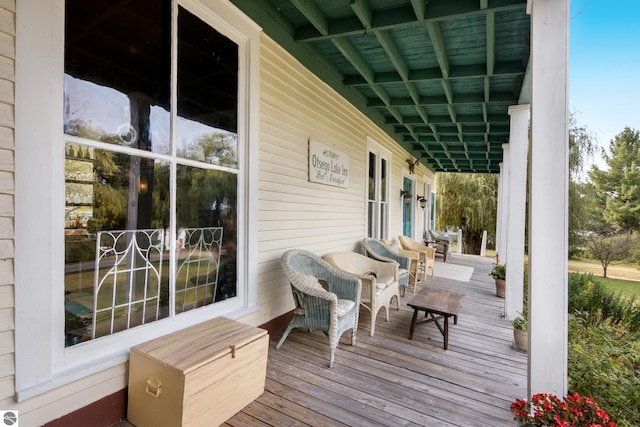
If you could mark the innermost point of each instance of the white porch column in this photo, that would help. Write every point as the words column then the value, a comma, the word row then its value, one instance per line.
column 516, row 208
column 504, row 204
column 548, row 214
column 499, row 209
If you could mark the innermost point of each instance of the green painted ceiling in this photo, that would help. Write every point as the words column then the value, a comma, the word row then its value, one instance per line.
column 437, row 75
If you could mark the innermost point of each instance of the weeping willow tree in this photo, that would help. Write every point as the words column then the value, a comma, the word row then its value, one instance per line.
column 468, row 202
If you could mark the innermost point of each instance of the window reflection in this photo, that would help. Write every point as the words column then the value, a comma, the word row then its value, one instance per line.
column 106, row 214
column 117, row 72
column 207, row 128
column 118, row 212
column 205, row 199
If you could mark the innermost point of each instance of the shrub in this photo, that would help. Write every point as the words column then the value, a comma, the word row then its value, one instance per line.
column 588, row 293
column 79, row 248
column 604, row 363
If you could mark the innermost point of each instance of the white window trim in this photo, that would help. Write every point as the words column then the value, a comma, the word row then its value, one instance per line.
column 381, row 153
column 42, row 363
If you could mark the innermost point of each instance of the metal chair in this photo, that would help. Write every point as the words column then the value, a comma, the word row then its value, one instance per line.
column 332, row 308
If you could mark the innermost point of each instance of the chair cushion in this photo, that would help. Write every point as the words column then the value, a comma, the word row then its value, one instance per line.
column 395, row 246
column 345, row 306
column 383, row 282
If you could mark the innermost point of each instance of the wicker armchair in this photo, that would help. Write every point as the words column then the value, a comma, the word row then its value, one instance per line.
column 379, row 281
column 427, row 255
column 377, row 250
column 415, row 260
column 441, row 242
column 333, row 310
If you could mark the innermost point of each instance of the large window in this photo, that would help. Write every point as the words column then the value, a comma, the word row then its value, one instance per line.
column 377, row 192
column 133, row 129
column 150, row 209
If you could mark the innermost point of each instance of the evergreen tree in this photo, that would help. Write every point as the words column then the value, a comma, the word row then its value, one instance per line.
column 618, row 187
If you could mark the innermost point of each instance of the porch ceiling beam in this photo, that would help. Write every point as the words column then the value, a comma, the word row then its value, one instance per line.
column 403, row 16
column 469, row 130
column 472, row 143
column 313, row 13
column 505, row 98
column 359, row 63
column 389, row 46
column 363, row 12
column 491, row 57
column 513, row 68
column 443, row 61
column 491, row 42
column 462, row 118
column 439, row 48
column 419, row 7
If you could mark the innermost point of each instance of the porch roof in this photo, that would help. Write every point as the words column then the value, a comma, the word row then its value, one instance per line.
column 438, row 76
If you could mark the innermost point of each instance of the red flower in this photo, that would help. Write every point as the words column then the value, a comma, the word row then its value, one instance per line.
column 549, row 410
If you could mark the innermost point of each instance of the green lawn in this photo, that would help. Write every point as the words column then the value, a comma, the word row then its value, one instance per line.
column 627, row 288
column 621, row 277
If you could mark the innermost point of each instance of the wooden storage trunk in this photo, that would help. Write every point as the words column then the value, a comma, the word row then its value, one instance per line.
column 199, row 376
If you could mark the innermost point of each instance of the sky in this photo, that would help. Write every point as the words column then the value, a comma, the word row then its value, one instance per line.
column 604, row 67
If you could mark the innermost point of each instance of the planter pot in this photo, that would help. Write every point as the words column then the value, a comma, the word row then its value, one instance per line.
column 500, row 285
column 521, row 339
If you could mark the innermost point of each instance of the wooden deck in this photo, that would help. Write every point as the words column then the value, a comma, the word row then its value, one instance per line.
column 391, row 381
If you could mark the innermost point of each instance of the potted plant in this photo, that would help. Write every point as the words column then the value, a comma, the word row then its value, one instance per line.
column 499, row 273
column 520, row 335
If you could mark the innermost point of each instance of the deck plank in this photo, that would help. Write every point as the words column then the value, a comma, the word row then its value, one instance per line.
column 389, row 380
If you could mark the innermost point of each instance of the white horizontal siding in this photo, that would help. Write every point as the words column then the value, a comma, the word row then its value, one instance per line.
column 7, row 190
column 294, row 212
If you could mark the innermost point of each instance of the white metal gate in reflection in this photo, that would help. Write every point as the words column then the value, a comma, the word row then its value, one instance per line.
column 198, row 260
column 128, row 275
column 128, row 283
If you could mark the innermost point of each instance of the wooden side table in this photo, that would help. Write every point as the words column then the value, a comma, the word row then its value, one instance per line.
column 439, row 304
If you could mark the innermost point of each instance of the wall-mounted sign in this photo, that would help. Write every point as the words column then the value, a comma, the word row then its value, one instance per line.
column 327, row 165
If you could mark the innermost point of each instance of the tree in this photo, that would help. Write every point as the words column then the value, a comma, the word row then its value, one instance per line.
column 618, row 187
column 469, row 202
column 607, row 249
column 581, row 149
